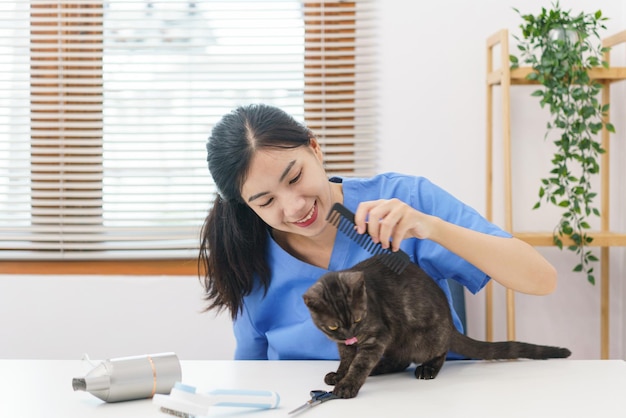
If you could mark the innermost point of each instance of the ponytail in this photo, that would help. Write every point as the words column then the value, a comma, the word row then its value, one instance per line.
column 232, row 251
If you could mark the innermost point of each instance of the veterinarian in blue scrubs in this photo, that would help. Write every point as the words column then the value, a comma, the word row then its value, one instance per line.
column 266, row 241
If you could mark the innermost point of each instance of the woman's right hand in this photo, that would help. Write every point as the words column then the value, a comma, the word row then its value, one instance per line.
column 389, row 221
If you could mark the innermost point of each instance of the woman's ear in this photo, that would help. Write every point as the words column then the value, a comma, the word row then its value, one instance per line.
column 317, row 150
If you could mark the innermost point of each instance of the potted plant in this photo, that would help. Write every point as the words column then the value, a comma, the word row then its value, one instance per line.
column 561, row 48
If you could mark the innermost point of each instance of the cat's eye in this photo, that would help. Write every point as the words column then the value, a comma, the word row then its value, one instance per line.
column 357, row 319
column 333, row 327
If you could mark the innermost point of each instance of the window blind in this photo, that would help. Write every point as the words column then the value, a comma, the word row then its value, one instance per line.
column 105, row 108
column 340, row 83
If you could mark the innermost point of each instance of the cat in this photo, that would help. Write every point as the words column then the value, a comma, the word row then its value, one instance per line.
column 383, row 321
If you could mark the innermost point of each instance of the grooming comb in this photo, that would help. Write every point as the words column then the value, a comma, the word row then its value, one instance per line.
column 343, row 220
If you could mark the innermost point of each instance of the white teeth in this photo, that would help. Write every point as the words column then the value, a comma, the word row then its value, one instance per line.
column 308, row 216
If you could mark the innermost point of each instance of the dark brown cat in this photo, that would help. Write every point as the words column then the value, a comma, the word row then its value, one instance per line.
column 382, row 322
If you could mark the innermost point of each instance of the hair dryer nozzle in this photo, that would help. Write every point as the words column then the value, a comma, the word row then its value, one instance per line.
column 79, row 383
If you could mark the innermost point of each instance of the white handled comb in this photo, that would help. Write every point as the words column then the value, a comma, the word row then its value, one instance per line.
column 185, row 401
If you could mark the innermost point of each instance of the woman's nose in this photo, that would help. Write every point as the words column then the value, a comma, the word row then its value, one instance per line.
column 294, row 207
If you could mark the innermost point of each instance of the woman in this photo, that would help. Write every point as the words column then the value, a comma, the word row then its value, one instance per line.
column 265, row 240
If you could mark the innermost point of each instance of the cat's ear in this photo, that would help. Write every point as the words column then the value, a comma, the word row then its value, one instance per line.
column 353, row 278
column 311, row 296
column 311, row 302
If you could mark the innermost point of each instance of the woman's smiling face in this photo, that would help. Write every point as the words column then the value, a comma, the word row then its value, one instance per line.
column 288, row 189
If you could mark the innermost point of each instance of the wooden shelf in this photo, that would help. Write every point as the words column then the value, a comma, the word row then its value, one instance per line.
column 600, row 239
column 518, row 75
column 505, row 77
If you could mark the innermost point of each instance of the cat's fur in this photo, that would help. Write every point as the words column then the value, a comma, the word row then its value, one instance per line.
column 387, row 321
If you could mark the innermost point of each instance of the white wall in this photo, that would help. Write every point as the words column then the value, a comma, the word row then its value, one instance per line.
column 433, row 124
column 54, row 317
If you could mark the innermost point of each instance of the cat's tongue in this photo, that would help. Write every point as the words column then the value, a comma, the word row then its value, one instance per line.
column 351, row 341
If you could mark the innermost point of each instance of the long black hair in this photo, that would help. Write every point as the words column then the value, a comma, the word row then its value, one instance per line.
column 233, row 242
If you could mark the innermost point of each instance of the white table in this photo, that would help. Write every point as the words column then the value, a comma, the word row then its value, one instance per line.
column 524, row 388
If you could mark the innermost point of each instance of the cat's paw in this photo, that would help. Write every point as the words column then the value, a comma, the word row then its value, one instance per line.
column 425, row 372
column 346, row 391
column 332, row 378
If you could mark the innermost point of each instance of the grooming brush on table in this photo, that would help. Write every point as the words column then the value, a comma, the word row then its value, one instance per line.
column 185, row 401
column 343, row 219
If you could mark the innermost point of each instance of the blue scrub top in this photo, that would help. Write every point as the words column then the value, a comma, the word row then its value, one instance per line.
column 277, row 325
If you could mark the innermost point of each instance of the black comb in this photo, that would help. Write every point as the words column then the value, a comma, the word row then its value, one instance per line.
column 343, row 220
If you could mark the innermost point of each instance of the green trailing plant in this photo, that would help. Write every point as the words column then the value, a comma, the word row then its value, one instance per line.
column 561, row 48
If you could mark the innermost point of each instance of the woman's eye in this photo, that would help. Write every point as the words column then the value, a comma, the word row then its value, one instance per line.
column 333, row 327
column 296, row 178
column 267, row 203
